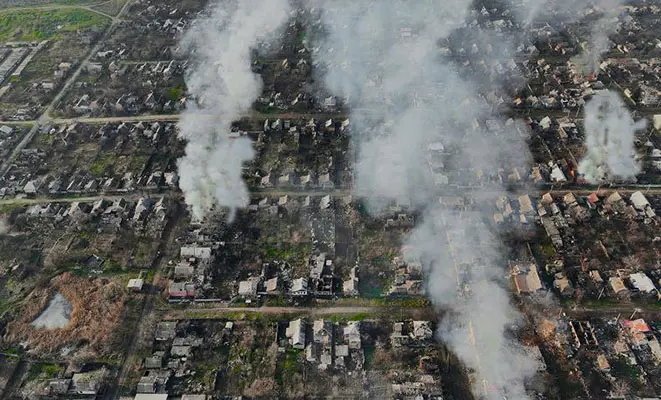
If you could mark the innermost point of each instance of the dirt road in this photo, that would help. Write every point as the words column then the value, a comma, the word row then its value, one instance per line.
column 221, row 312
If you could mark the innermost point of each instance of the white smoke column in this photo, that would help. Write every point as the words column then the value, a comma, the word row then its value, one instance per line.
column 384, row 59
column 570, row 11
column 598, row 43
column 610, row 132
column 224, row 87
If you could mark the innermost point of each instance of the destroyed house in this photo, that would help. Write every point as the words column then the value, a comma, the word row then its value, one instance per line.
column 272, row 286
column 352, row 334
column 583, row 334
column 526, row 278
column 248, row 288
column 59, row 386
column 299, row 287
column 203, row 253
column 183, row 270
column 181, row 291
column 422, row 330
column 642, row 283
column 322, row 331
column 88, row 383
column 155, row 361
column 350, row 286
column 321, row 276
column 147, row 384
column 166, row 330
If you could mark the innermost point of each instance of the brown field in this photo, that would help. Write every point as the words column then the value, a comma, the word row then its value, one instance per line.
column 97, row 305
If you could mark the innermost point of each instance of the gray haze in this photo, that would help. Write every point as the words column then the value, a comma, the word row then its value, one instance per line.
column 388, row 60
column 604, row 18
column 223, row 88
column 384, row 59
column 610, row 132
column 598, row 42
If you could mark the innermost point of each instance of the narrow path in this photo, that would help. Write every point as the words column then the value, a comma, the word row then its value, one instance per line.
column 225, row 311
column 159, row 262
column 16, row 378
column 293, row 192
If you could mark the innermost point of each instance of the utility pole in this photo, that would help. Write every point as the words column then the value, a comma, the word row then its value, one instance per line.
column 635, row 310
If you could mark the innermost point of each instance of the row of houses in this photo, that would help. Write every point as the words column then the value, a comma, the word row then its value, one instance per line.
column 110, row 213
column 321, row 282
column 326, row 344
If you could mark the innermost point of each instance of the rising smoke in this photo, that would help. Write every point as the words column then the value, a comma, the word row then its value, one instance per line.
column 604, row 18
column 411, row 103
column 223, row 88
column 598, row 43
column 609, row 130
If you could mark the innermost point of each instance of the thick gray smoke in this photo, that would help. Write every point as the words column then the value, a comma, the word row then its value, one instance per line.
column 610, row 132
column 412, row 107
column 223, row 88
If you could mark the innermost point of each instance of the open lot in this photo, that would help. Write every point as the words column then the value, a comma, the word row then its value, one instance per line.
column 29, row 25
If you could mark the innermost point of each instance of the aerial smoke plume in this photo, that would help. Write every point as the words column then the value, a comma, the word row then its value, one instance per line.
column 610, row 131
column 419, row 122
column 223, row 88
column 598, row 43
column 562, row 12
column 609, row 127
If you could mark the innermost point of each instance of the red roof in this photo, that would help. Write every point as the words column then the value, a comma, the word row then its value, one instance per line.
column 638, row 325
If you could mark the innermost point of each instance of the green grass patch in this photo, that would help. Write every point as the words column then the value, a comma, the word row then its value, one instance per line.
column 51, row 370
column 114, row 361
column 45, row 140
column 396, row 302
column 358, row 317
column 99, row 166
column 4, row 306
column 275, row 301
column 29, row 25
column 621, row 368
column 175, row 93
column 42, row 371
column 409, row 302
column 9, row 208
column 45, row 3
column 601, row 303
column 205, row 374
column 149, row 277
column 112, row 267
column 11, row 352
column 112, row 7
column 373, row 291
column 546, row 249
column 369, row 357
column 342, row 318
column 266, row 109
column 291, row 364
column 137, row 162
